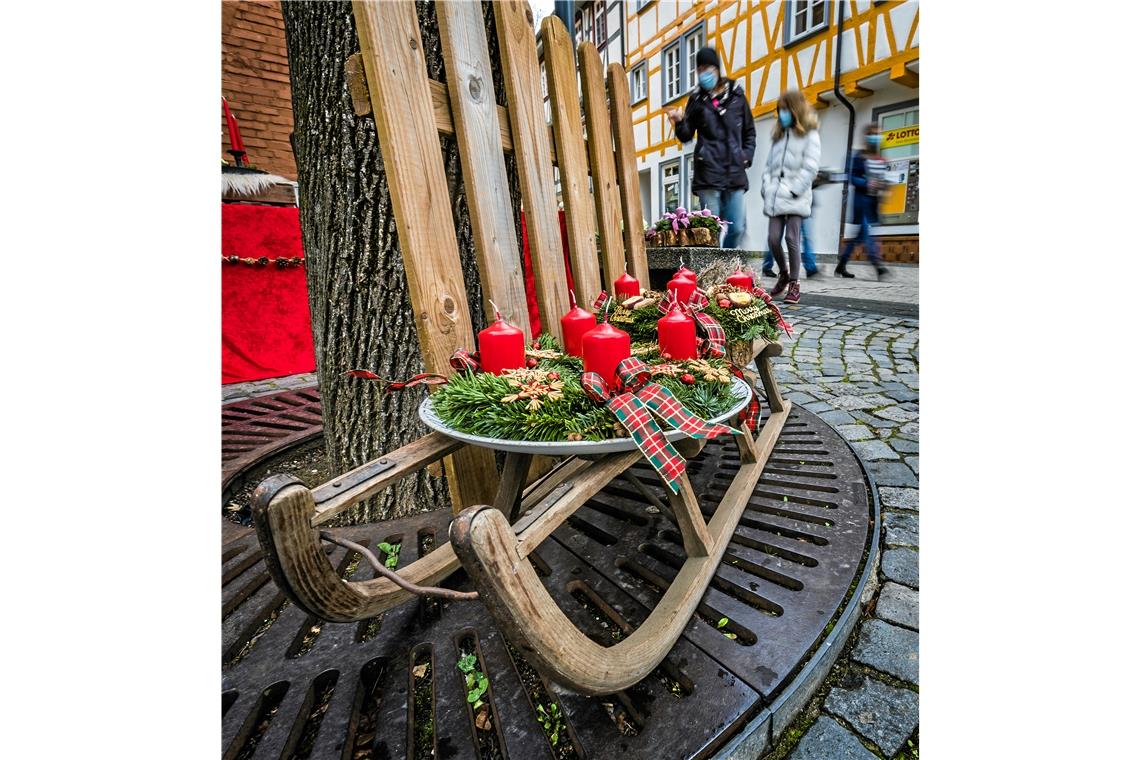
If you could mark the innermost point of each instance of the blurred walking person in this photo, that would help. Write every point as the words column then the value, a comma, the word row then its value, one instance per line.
column 808, row 255
column 786, row 186
column 868, row 176
column 719, row 114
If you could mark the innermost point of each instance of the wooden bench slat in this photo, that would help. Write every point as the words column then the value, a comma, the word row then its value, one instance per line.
column 392, row 52
column 621, row 120
column 532, row 150
column 601, row 149
column 477, row 132
column 573, row 170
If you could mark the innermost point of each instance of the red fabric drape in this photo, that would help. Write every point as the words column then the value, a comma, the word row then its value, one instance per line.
column 528, row 272
column 266, row 330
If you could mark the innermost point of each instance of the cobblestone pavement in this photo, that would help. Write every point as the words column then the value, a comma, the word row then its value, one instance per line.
column 859, row 372
column 237, row 391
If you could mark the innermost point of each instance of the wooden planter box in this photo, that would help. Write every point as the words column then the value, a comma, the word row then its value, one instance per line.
column 698, row 237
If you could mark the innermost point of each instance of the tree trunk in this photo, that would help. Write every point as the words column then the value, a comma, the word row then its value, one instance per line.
column 358, row 293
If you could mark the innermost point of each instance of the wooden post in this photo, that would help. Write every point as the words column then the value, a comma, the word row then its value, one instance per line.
column 601, row 145
column 393, row 58
column 477, row 131
column 532, row 155
column 621, row 120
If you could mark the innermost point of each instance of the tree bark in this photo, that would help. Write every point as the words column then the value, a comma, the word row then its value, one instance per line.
column 358, row 293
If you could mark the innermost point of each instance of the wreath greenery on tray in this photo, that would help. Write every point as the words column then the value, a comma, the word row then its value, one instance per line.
column 546, row 402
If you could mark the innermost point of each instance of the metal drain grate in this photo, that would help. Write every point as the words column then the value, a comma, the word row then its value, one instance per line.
column 258, row 428
column 304, row 688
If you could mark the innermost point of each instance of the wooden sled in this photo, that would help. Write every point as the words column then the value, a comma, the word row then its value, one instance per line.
column 493, row 540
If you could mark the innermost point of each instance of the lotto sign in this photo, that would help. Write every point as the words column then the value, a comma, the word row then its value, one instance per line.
column 894, row 138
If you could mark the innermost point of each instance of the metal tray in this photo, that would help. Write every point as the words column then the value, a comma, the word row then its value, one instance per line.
column 569, row 448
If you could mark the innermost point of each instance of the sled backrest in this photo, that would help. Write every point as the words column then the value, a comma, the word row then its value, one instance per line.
column 410, row 110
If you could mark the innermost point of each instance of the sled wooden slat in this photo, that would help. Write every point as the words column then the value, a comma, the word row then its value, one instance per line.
column 573, row 170
column 625, row 153
column 392, row 52
column 476, row 121
column 521, row 78
column 601, row 150
column 687, row 510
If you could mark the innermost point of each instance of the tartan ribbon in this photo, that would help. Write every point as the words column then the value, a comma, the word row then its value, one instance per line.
column 767, row 299
column 637, row 404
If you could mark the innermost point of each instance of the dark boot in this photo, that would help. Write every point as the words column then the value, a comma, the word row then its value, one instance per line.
column 841, row 270
column 882, row 271
column 781, row 284
column 793, row 295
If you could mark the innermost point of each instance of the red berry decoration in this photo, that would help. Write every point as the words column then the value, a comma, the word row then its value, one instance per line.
column 688, row 379
column 552, row 376
column 666, row 355
column 724, row 303
column 532, row 363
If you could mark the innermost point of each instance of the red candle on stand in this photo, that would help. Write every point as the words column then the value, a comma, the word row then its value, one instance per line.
column 685, row 272
column 236, row 145
column 626, row 287
column 681, row 287
column 741, row 279
column 603, row 348
column 677, row 334
column 575, row 324
column 501, row 346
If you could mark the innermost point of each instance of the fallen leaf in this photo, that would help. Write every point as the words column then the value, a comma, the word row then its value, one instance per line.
column 483, row 718
column 419, row 671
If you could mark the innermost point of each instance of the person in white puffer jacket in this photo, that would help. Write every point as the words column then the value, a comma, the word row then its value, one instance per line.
column 786, row 185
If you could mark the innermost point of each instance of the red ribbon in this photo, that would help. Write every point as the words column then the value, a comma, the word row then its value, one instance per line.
column 461, row 360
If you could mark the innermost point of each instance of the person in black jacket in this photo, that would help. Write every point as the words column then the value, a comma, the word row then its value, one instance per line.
column 719, row 114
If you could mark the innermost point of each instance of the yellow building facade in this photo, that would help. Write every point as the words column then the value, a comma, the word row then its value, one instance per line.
column 769, row 46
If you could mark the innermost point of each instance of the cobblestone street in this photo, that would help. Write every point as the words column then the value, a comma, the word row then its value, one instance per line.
column 859, row 372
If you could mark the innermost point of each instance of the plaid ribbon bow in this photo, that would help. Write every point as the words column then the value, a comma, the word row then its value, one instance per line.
column 714, row 343
column 461, row 360
column 767, row 299
column 635, row 406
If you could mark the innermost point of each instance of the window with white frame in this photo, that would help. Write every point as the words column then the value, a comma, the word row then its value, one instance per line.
column 671, row 71
column 694, row 203
column 587, row 23
column 694, row 41
column 600, row 31
column 670, row 185
column 642, row 3
column 803, row 18
column 639, row 83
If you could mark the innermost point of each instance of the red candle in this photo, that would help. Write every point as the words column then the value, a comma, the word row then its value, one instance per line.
column 575, row 324
column 681, row 287
column 741, row 279
column 626, row 287
column 677, row 334
column 603, row 348
column 501, row 346
column 685, row 272
column 235, row 135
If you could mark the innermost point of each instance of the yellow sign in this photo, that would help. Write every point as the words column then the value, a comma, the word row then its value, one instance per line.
column 894, row 138
column 893, row 200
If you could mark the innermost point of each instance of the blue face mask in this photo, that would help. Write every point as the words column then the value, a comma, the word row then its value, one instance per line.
column 874, row 140
column 708, row 80
column 785, row 118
